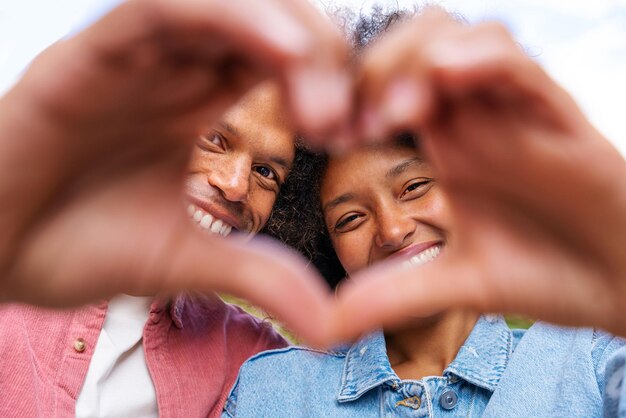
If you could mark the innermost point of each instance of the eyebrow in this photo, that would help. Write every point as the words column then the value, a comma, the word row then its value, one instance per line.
column 229, row 128
column 393, row 172
column 281, row 162
column 403, row 166
column 346, row 197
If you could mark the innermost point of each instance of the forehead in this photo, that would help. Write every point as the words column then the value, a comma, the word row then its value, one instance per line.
column 260, row 120
column 373, row 161
column 369, row 167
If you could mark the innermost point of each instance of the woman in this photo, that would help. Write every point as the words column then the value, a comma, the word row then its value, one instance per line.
column 384, row 203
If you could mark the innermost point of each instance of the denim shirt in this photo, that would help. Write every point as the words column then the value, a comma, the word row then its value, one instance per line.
column 546, row 371
column 615, row 390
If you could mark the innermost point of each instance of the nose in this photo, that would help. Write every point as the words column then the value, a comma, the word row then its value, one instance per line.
column 394, row 228
column 232, row 178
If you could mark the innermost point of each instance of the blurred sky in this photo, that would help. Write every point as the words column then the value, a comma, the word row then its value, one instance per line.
column 582, row 43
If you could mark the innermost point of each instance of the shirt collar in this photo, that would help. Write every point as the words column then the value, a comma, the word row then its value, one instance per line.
column 366, row 366
column 481, row 360
column 485, row 354
column 175, row 306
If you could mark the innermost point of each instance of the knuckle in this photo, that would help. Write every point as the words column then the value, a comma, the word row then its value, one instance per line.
column 153, row 15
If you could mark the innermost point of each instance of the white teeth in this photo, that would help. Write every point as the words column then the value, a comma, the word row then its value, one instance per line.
column 424, row 257
column 207, row 222
column 216, row 227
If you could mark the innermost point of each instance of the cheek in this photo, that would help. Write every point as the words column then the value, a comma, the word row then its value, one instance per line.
column 201, row 161
column 439, row 210
column 352, row 251
column 433, row 209
column 261, row 203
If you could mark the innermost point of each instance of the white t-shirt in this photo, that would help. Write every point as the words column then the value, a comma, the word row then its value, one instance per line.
column 118, row 383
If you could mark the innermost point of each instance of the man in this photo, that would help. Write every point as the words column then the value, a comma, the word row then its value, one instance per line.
column 164, row 356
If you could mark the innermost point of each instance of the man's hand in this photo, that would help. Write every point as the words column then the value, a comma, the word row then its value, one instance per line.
column 538, row 195
column 96, row 137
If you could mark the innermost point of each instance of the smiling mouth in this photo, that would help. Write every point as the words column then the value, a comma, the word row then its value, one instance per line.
column 208, row 222
column 428, row 255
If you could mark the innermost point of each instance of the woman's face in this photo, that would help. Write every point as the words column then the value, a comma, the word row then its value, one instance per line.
column 383, row 202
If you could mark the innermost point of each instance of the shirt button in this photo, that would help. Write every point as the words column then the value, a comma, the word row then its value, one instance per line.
column 79, row 345
column 413, row 402
column 448, row 399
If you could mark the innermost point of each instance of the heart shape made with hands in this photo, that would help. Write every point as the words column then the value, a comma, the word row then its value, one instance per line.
column 524, row 171
column 514, row 155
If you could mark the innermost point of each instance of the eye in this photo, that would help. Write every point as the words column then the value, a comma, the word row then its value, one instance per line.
column 417, row 188
column 267, row 178
column 347, row 223
column 212, row 141
column 216, row 139
column 266, row 172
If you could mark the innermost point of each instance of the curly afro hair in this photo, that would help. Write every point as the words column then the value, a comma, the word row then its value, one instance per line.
column 297, row 218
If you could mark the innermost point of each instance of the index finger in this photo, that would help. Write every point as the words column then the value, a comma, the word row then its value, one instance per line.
column 291, row 39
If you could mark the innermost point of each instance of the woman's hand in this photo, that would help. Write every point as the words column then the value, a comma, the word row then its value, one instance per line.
column 538, row 195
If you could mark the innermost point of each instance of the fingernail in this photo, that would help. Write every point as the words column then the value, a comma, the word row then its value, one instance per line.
column 321, row 98
column 372, row 125
column 285, row 33
column 401, row 104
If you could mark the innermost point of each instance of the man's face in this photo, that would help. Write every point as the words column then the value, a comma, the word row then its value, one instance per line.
column 238, row 167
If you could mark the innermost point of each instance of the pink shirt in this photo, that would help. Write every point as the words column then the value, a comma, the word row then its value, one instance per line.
column 193, row 350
